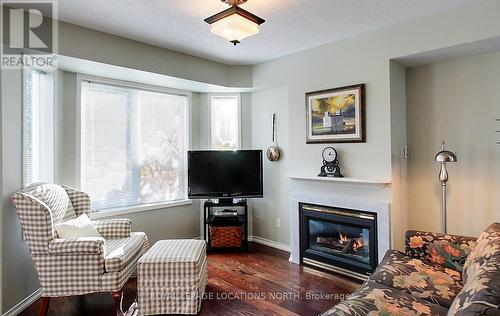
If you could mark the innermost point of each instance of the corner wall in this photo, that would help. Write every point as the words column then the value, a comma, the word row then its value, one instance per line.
column 399, row 205
column 456, row 101
column 274, row 205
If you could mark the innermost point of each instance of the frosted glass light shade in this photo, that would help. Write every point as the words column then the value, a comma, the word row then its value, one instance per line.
column 234, row 24
column 235, row 28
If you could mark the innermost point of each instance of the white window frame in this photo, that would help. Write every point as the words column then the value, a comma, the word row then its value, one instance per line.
column 50, row 123
column 215, row 95
column 103, row 213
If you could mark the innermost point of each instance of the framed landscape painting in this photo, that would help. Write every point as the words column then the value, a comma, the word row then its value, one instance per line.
column 336, row 115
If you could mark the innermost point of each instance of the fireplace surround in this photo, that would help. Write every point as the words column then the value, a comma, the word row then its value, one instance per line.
column 338, row 239
column 353, row 197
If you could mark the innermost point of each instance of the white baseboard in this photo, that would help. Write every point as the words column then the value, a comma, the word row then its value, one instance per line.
column 265, row 242
column 22, row 305
column 269, row 243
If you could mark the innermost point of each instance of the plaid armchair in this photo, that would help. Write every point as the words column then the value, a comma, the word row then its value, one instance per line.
column 75, row 266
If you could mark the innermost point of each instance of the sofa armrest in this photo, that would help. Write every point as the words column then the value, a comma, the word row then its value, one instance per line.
column 447, row 250
column 114, row 228
column 77, row 246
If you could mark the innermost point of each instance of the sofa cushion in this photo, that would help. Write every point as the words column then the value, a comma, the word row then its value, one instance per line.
column 488, row 245
column 481, row 293
column 119, row 252
column 373, row 299
column 433, row 283
column 447, row 250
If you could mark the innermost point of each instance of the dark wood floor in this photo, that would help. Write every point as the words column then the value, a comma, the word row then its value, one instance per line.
column 259, row 282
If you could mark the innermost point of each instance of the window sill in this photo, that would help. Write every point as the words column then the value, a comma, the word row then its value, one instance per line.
column 110, row 212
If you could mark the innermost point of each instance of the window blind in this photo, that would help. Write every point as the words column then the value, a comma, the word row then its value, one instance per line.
column 133, row 145
column 38, row 126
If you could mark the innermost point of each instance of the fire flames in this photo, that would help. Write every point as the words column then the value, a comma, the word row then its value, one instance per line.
column 355, row 246
column 343, row 238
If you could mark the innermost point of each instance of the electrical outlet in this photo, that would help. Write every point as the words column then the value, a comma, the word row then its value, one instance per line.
column 278, row 223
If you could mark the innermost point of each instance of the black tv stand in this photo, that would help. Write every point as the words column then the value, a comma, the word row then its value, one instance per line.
column 240, row 219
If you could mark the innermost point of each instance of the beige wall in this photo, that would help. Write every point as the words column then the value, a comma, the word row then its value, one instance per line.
column 455, row 101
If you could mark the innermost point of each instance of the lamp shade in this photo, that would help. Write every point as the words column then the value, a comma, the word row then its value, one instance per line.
column 446, row 156
column 235, row 28
column 234, row 24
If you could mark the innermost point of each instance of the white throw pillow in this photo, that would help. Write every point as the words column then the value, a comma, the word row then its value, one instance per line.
column 78, row 227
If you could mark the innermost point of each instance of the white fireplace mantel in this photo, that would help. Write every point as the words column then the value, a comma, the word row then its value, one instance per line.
column 381, row 183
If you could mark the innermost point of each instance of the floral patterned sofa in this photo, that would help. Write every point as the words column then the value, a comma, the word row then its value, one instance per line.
column 440, row 274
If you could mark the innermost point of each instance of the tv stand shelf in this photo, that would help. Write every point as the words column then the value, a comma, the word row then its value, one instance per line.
column 210, row 220
column 241, row 219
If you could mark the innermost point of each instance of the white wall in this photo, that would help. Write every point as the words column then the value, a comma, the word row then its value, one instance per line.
column 361, row 59
column 275, row 202
column 456, row 101
column 399, row 186
column 18, row 276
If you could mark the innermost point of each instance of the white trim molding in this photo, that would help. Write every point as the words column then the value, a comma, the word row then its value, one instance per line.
column 137, row 208
column 269, row 243
column 25, row 303
column 382, row 183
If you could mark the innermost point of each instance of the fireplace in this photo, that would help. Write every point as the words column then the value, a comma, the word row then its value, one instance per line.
column 337, row 239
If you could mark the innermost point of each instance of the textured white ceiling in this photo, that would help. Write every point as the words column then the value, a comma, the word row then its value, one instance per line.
column 291, row 25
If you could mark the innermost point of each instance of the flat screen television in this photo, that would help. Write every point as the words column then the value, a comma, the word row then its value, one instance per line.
column 225, row 174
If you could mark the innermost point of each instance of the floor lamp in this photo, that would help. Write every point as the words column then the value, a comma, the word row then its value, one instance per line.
column 443, row 157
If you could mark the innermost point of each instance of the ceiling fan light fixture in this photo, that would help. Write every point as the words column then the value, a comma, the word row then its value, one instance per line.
column 234, row 24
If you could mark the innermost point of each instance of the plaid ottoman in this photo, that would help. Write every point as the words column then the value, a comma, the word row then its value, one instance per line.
column 171, row 277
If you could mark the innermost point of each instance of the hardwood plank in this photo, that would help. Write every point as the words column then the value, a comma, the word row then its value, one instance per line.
column 248, row 274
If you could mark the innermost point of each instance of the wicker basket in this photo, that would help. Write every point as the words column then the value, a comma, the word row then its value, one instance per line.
column 226, row 236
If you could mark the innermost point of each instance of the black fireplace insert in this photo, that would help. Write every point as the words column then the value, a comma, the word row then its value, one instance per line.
column 338, row 239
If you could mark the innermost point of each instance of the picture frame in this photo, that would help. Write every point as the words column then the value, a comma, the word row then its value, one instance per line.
column 336, row 115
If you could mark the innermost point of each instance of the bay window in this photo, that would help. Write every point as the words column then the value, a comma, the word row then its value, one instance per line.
column 225, row 122
column 38, row 127
column 134, row 140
